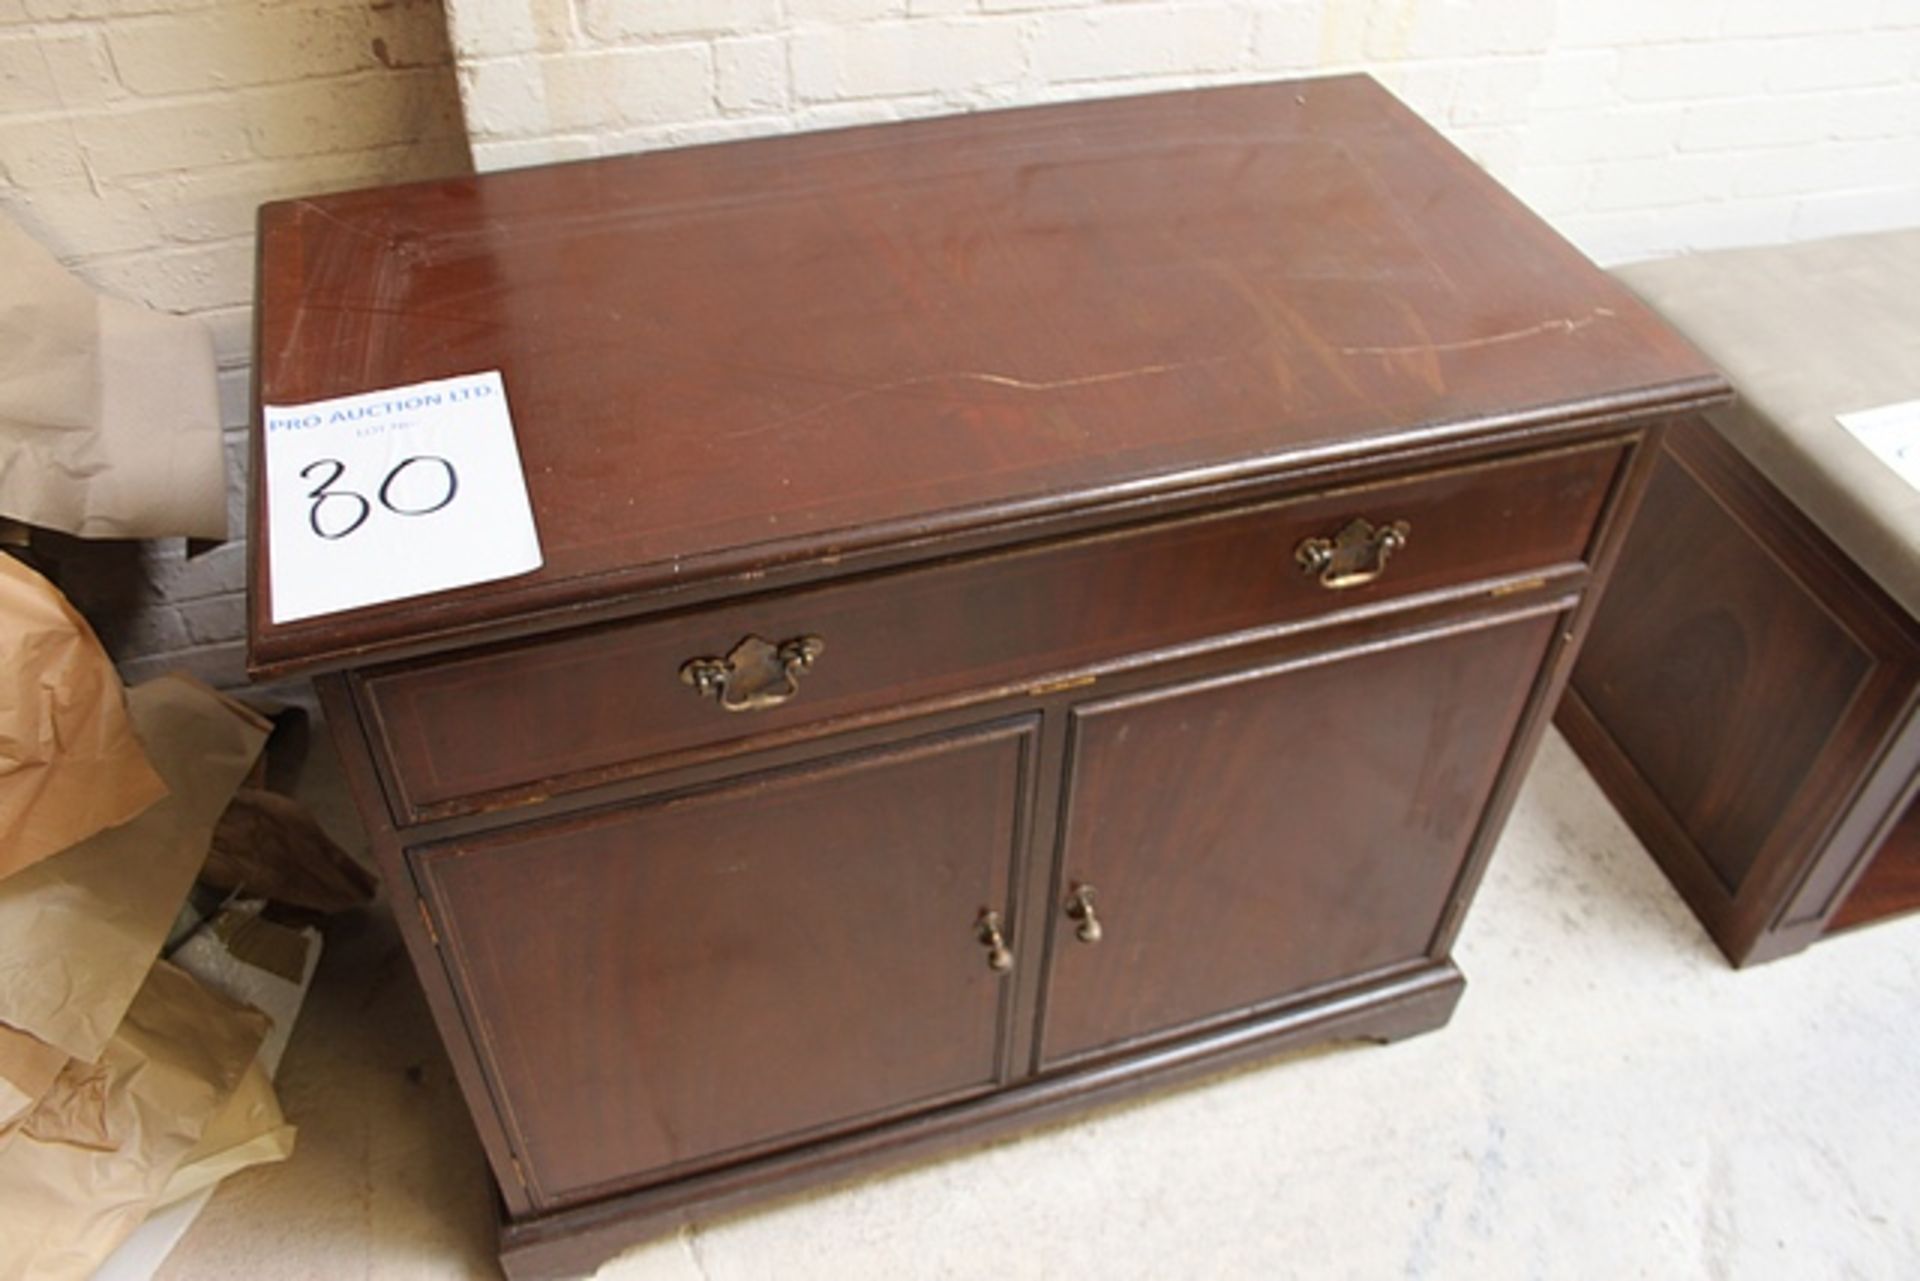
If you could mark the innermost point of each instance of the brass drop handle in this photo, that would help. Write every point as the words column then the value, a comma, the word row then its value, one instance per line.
column 999, row 955
column 1080, row 908
column 756, row 674
column 1355, row 556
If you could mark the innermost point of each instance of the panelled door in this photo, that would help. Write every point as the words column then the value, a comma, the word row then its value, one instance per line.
column 1234, row 840
column 660, row 985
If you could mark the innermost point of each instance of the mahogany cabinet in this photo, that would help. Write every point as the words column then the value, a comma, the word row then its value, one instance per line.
column 1036, row 606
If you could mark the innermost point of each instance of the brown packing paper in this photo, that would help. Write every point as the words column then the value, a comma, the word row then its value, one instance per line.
column 266, row 965
column 168, row 1072
column 265, row 945
column 69, row 762
column 83, row 927
column 74, row 1111
column 249, row 1130
column 255, row 961
column 109, row 412
column 28, row 1067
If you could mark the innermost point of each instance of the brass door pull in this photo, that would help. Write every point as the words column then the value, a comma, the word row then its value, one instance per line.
column 757, row 674
column 1355, row 556
column 999, row 955
column 1080, row 908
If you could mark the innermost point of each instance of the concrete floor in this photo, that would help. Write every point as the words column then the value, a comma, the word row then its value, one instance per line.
column 1611, row 1100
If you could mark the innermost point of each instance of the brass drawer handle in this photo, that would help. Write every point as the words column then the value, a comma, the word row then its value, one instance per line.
column 1080, row 908
column 757, row 674
column 1355, row 556
column 999, row 955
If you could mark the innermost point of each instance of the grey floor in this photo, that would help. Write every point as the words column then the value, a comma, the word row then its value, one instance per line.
column 1610, row 1101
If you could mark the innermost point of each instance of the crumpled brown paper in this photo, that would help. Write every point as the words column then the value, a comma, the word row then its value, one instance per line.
column 28, row 1067
column 67, row 1197
column 248, row 1130
column 109, row 412
column 266, row 965
column 83, row 927
column 74, row 1111
column 69, row 762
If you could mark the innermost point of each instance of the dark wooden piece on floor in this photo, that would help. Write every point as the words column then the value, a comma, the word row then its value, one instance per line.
column 268, row 846
column 1152, row 533
column 1749, row 699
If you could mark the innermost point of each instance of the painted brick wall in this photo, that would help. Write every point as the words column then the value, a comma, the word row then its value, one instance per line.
column 137, row 138
column 1638, row 127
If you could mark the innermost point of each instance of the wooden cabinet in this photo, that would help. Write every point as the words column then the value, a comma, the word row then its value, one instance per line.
column 1036, row 606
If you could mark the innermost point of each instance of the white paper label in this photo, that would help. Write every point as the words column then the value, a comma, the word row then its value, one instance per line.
column 1892, row 432
column 394, row 493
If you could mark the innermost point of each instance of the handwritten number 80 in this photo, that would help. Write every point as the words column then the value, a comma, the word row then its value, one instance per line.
column 356, row 507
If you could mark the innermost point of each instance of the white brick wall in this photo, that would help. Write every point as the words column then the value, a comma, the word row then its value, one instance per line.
column 1639, row 127
column 137, row 138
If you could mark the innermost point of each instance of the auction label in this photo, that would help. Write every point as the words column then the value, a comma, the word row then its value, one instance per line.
column 396, row 493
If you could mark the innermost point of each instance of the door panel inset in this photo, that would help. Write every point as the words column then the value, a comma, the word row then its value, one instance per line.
column 1256, row 834
column 661, row 983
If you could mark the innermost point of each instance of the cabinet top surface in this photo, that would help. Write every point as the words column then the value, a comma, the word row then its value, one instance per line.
column 725, row 359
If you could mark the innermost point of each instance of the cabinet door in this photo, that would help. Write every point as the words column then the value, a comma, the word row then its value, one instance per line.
column 1253, row 835
column 656, row 986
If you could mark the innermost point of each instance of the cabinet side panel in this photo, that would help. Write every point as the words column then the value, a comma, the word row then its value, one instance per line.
column 1717, row 674
column 663, row 984
column 348, row 733
column 1742, row 700
column 1253, row 836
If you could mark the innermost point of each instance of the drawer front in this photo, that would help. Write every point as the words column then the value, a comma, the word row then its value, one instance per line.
column 588, row 706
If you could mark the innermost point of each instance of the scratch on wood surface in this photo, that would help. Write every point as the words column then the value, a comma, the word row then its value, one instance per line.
column 1491, row 340
column 309, row 206
column 984, row 378
column 404, row 313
